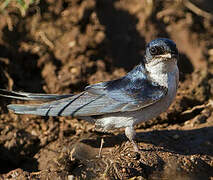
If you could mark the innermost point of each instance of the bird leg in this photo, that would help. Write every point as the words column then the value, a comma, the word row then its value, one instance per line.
column 101, row 147
column 130, row 134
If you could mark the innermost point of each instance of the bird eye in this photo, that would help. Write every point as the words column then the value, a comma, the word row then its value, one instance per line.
column 156, row 50
column 153, row 50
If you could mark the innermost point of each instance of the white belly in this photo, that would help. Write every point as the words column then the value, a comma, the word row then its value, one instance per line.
column 127, row 119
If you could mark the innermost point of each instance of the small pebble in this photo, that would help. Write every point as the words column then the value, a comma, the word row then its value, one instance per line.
column 70, row 177
column 176, row 136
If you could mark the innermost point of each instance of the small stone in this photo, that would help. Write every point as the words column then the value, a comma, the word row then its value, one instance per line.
column 70, row 177
column 210, row 52
column 176, row 136
column 71, row 44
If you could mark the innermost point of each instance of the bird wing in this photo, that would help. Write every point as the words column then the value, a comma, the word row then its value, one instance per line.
column 129, row 93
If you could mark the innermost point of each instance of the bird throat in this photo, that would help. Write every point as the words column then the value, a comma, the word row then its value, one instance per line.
column 160, row 72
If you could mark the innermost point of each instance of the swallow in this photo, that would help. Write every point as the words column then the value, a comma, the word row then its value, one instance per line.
column 140, row 95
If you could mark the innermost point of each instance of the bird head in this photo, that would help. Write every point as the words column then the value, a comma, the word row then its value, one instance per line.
column 161, row 50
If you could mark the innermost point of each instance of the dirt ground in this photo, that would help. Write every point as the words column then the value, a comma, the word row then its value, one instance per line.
column 62, row 46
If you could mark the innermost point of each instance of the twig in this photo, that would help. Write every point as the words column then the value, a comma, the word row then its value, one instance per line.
column 210, row 103
column 197, row 10
column 46, row 40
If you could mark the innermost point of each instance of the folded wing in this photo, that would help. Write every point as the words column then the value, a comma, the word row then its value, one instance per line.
column 129, row 93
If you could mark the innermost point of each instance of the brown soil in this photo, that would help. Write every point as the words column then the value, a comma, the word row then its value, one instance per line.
column 62, row 46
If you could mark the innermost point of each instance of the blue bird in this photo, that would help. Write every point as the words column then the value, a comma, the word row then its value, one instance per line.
column 142, row 94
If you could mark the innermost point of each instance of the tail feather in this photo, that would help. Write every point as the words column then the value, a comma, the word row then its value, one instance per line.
column 28, row 109
column 21, row 109
column 32, row 96
column 37, row 109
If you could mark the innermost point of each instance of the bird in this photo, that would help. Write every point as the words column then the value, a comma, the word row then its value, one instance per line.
column 142, row 94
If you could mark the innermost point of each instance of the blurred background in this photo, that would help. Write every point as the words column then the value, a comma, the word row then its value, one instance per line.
column 60, row 46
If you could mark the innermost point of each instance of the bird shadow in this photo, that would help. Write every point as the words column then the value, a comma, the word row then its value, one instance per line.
column 183, row 142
